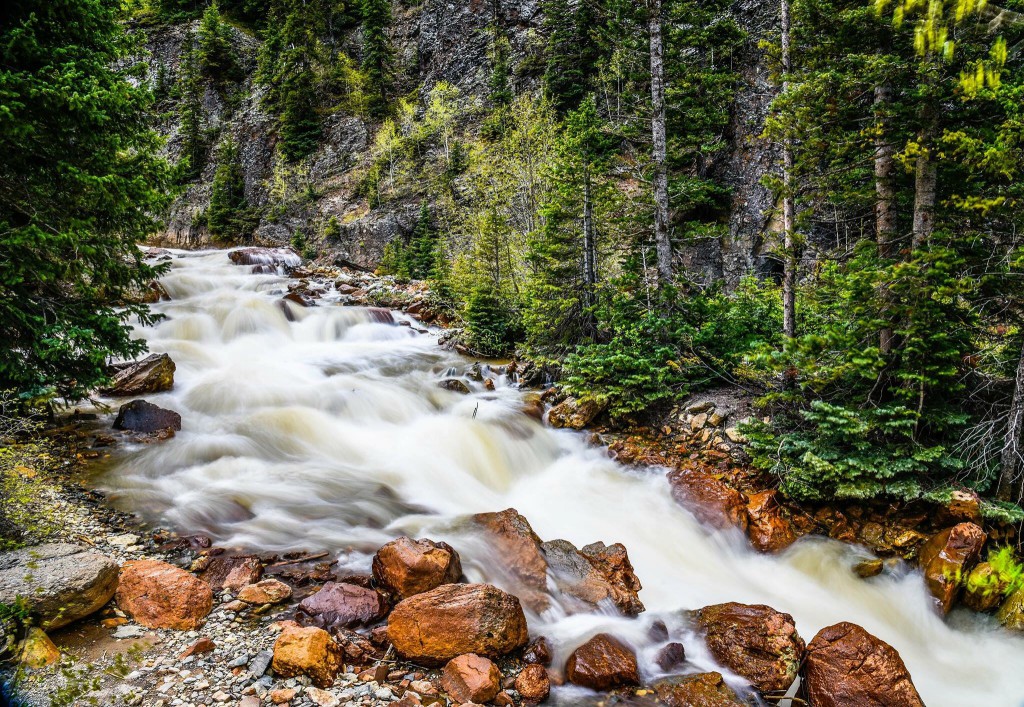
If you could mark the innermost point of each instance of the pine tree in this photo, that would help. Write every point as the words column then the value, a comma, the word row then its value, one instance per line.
column 572, row 53
column 79, row 183
column 191, row 115
column 215, row 53
column 423, row 246
column 228, row 217
column 378, row 59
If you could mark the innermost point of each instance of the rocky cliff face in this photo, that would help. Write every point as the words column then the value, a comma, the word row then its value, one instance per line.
column 440, row 40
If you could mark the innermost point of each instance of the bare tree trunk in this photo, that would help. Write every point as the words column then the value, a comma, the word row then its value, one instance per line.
column 1011, row 472
column 661, row 236
column 788, row 208
column 925, row 183
column 885, row 192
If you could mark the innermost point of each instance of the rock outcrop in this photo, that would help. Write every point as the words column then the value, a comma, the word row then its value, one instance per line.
column 848, row 667
column 61, row 582
column 711, row 500
column 158, row 595
column 153, row 374
column 454, row 619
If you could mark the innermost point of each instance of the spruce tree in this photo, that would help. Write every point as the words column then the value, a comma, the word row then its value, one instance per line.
column 378, row 59
column 228, row 217
column 572, row 52
column 192, row 118
column 214, row 50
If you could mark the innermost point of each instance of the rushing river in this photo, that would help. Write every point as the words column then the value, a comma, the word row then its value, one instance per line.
column 330, row 432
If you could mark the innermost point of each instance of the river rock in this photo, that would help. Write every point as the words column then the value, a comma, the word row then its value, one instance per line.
column 848, row 667
column 454, row 385
column 37, row 650
column 306, row 650
column 670, row 657
column 61, row 582
column 517, row 551
column 947, row 558
column 533, row 684
column 343, row 604
column 405, row 567
column 153, row 374
column 232, row 572
column 579, row 576
column 711, row 500
column 699, row 690
column 144, row 416
column 1011, row 613
column 768, row 529
column 984, row 588
column 269, row 591
column 265, row 256
column 453, row 619
column 754, row 641
column 539, row 651
column 602, row 663
column 574, row 414
column 158, row 595
column 471, row 678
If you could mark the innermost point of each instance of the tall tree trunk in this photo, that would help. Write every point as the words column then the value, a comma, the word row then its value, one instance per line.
column 661, row 237
column 788, row 208
column 885, row 192
column 589, row 255
column 1011, row 472
column 925, row 182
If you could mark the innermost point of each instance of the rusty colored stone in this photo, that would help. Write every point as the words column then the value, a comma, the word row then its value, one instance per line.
column 602, row 663
column 947, row 558
column 404, row 567
column 158, row 595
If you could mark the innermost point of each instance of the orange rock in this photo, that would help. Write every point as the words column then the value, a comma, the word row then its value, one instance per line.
column 433, row 627
column 307, row 651
column 203, row 645
column 37, row 650
column 768, row 529
column 283, row 696
column 848, row 667
column 533, row 683
column 573, row 414
column 517, row 548
column 700, row 690
column 711, row 500
column 471, row 678
column 602, row 663
column 159, row 595
column 269, row 591
column 947, row 558
column 405, row 567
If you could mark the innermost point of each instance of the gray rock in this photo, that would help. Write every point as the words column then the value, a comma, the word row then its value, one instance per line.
column 260, row 663
column 61, row 582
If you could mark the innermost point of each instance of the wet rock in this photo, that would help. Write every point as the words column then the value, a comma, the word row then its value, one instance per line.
column 342, row 604
column 153, row 374
column 711, row 500
column 232, row 572
column 963, row 506
column 848, row 667
column 869, row 568
column 579, row 576
column 405, row 567
column 518, row 551
column 144, row 416
column 158, row 595
column 670, row 657
column 300, row 299
column 37, row 650
column 754, row 641
column 306, row 651
column 768, row 529
column 533, row 684
column 471, row 678
column 433, row 627
column 612, row 562
column 275, row 257
column 269, row 591
column 1011, row 613
column 574, row 414
column 538, row 652
column 454, row 385
column 380, row 315
column 946, row 558
column 61, row 582
column 602, row 663
column 699, row 690
column 984, row 588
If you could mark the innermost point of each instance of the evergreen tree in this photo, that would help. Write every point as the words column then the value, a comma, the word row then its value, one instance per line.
column 79, row 183
column 215, row 53
column 191, row 116
column 572, row 52
column 378, row 60
column 229, row 217
column 423, row 246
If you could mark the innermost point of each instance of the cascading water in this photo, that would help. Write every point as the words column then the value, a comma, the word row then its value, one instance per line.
column 325, row 429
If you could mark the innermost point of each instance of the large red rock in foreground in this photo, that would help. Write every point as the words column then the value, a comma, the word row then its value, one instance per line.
column 433, row 627
column 602, row 663
column 711, row 500
column 947, row 558
column 848, row 667
column 405, row 566
column 306, row 650
column 754, row 641
column 158, row 595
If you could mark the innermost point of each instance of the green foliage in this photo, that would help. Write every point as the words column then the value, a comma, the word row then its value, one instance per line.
column 572, row 53
column 24, row 498
column 423, row 246
column 79, row 183
column 492, row 327
column 1005, row 578
column 229, row 217
column 215, row 53
column 302, row 245
column 378, row 59
column 332, row 230
column 191, row 116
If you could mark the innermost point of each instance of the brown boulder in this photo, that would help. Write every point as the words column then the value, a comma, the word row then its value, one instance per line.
column 539, row 651
column 848, row 667
column 341, row 604
column 517, row 550
column 754, row 641
column 711, row 500
column 232, row 572
column 306, row 650
column 602, row 663
column 533, row 684
column 405, row 567
column 471, row 678
column 144, row 416
column 158, row 595
column 453, row 619
column 700, row 690
column 580, row 578
column 153, row 374
column 269, row 591
column 947, row 558
column 671, row 656
column 573, row 414
column 768, row 529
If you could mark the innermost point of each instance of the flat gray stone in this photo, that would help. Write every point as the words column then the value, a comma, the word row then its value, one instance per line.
column 61, row 582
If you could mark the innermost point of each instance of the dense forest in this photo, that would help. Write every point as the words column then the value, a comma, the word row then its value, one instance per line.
column 557, row 209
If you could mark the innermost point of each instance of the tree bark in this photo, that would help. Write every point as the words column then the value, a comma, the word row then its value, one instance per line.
column 1011, row 472
column 788, row 208
column 925, row 183
column 885, row 192
column 589, row 255
column 659, row 152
